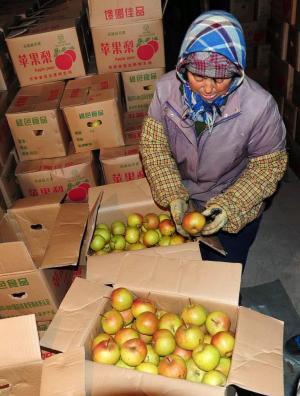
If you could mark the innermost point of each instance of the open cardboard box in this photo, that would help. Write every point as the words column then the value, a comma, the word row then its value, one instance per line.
column 41, row 237
column 173, row 278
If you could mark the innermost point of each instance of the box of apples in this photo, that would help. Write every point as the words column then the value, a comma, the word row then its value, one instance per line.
column 169, row 323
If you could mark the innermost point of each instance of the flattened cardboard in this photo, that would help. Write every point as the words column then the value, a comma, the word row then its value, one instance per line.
column 64, row 374
column 15, row 257
column 257, row 362
column 116, row 12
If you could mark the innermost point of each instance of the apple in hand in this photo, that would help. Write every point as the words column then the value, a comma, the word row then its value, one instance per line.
column 134, row 220
column 170, row 321
column 163, row 342
column 121, row 299
column 133, row 352
column 194, row 314
column 194, row 373
column 147, row 323
column 172, row 366
column 206, row 357
column 214, row 377
column 193, row 222
column 217, row 321
column 111, row 321
column 147, row 367
column 106, row 352
column 224, row 341
column 141, row 305
column 189, row 336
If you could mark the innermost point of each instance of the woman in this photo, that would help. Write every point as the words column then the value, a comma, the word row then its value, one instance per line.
column 214, row 136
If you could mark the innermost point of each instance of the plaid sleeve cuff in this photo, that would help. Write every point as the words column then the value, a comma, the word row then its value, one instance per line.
column 159, row 165
column 244, row 199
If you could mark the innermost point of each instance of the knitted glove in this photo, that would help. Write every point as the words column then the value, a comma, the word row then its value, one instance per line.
column 178, row 207
column 218, row 220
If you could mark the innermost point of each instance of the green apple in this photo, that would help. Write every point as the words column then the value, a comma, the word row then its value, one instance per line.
column 194, row 314
column 152, row 356
column 134, row 220
column 118, row 228
column 111, row 321
column 189, row 336
column 104, row 233
column 165, row 240
column 103, row 226
column 121, row 298
column 117, row 242
column 97, row 243
column 194, row 373
column 146, row 367
column 163, row 342
column 214, row 377
column 121, row 364
column 170, row 321
column 206, row 357
column 224, row 365
column 132, row 234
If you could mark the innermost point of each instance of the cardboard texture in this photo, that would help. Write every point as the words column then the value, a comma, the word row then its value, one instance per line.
column 37, row 123
column 92, row 109
column 189, row 278
column 39, row 52
column 8, row 182
column 139, row 87
column 116, row 12
column 121, row 164
column 37, row 253
column 62, row 174
column 20, row 371
column 129, row 47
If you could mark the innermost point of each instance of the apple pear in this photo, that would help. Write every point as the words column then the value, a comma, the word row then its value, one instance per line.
column 214, row 377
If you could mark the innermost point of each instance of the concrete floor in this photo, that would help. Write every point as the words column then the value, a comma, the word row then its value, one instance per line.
column 275, row 253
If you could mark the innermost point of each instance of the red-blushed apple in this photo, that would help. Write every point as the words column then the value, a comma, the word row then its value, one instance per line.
column 146, row 338
column 177, row 239
column 111, row 321
column 121, row 298
column 224, row 341
column 132, row 234
column 217, row 321
column 117, row 242
column 193, row 222
column 104, row 233
column 214, row 377
column 127, row 316
column 102, row 225
column 206, row 357
column 121, row 364
column 189, row 336
column 165, row 240
column 147, row 323
column 136, row 246
column 134, row 220
column 97, row 243
column 172, row 366
column 151, row 221
column 184, row 353
column 152, row 356
column 167, row 227
column 133, row 352
column 163, row 216
column 170, row 321
column 106, row 352
column 118, row 228
column 99, row 338
column 194, row 314
column 163, row 342
column 194, row 374
column 150, row 238
column 224, row 365
column 147, row 367
column 141, row 305
column 124, row 335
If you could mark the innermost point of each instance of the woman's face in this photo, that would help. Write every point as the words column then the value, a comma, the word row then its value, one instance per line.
column 208, row 88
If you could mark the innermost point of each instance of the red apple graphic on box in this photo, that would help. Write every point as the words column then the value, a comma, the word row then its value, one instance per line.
column 65, row 60
column 79, row 193
column 146, row 50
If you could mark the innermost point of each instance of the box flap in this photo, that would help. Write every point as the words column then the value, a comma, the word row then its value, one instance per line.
column 14, row 257
column 30, row 202
column 19, row 341
column 64, row 374
column 64, row 246
column 77, row 314
column 258, row 354
column 101, row 380
column 90, row 89
column 212, row 281
column 37, row 98
column 90, row 227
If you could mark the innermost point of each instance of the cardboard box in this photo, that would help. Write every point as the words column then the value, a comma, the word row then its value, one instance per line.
column 133, row 119
column 21, row 363
column 36, row 122
column 278, row 37
column 258, row 346
column 8, row 183
column 293, row 49
column 38, row 52
column 92, row 109
column 284, row 11
column 139, row 87
column 281, row 77
column 121, row 164
column 37, row 254
column 243, row 10
column 116, row 12
column 63, row 174
column 129, row 47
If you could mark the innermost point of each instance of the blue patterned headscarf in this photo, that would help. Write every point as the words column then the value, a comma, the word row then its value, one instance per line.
column 213, row 31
